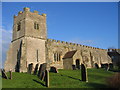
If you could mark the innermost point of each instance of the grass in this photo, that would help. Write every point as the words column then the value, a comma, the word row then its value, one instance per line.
column 63, row 79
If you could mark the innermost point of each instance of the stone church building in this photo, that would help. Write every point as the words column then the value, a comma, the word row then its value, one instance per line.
column 30, row 45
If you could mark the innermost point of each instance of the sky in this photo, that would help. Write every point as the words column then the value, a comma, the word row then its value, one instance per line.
column 87, row 23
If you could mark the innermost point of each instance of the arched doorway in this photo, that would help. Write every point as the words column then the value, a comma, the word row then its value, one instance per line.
column 77, row 63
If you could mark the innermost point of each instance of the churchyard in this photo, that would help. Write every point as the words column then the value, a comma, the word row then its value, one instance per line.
column 96, row 78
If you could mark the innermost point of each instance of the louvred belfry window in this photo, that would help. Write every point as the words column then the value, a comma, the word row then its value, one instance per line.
column 18, row 26
column 36, row 26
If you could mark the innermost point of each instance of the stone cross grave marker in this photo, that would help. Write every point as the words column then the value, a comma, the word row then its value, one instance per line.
column 36, row 68
column 4, row 75
column 41, row 72
column 84, row 73
column 30, row 68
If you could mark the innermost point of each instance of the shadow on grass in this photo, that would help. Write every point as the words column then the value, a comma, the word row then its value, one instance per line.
column 38, row 82
column 97, row 85
column 70, row 77
column 114, row 70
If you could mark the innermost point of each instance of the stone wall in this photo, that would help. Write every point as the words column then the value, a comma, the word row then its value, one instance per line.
column 35, row 51
column 13, row 55
column 86, row 54
column 67, row 63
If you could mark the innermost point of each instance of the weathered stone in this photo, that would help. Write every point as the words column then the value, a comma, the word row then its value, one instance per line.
column 41, row 72
column 47, row 78
column 36, row 69
column 53, row 69
column 10, row 74
column 43, row 76
column 30, row 68
column 84, row 73
column 4, row 75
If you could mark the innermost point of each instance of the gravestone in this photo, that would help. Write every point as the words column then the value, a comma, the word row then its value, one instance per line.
column 36, row 68
column 47, row 78
column 41, row 72
column 53, row 69
column 30, row 68
column 73, row 67
column 102, row 65
column 84, row 73
column 10, row 74
column 106, row 66
column 96, row 66
column 110, row 66
column 4, row 75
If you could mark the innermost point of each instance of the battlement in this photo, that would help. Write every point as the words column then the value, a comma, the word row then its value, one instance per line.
column 72, row 44
column 26, row 9
column 113, row 50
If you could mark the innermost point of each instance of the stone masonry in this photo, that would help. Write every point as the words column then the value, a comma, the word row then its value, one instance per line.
column 30, row 45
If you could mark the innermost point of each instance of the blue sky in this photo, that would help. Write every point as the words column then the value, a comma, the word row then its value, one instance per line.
column 89, row 23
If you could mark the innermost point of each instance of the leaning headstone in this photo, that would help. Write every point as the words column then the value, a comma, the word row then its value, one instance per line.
column 30, row 68
column 43, row 76
column 36, row 68
column 53, row 69
column 47, row 78
column 96, row 66
column 10, row 74
column 73, row 67
column 4, row 75
column 42, row 71
column 39, row 70
column 84, row 73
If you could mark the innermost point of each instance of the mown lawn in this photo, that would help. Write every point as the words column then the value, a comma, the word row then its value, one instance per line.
column 63, row 79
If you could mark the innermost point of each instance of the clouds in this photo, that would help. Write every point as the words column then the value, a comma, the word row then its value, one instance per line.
column 6, row 39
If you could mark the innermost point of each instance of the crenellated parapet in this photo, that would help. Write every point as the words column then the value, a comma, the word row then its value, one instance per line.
column 63, row 43
column 26, row 9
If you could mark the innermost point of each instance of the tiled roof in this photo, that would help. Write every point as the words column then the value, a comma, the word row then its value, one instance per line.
column 69, row 54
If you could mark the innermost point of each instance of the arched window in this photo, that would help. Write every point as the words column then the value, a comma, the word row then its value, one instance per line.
column 36, row 25
column 37, row 54
column 57, row 56
column 18, row 26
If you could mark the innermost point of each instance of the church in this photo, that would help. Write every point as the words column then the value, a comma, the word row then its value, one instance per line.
column 30, row 45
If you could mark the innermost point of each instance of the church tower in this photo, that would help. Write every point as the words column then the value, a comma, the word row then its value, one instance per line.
column 28, row 41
